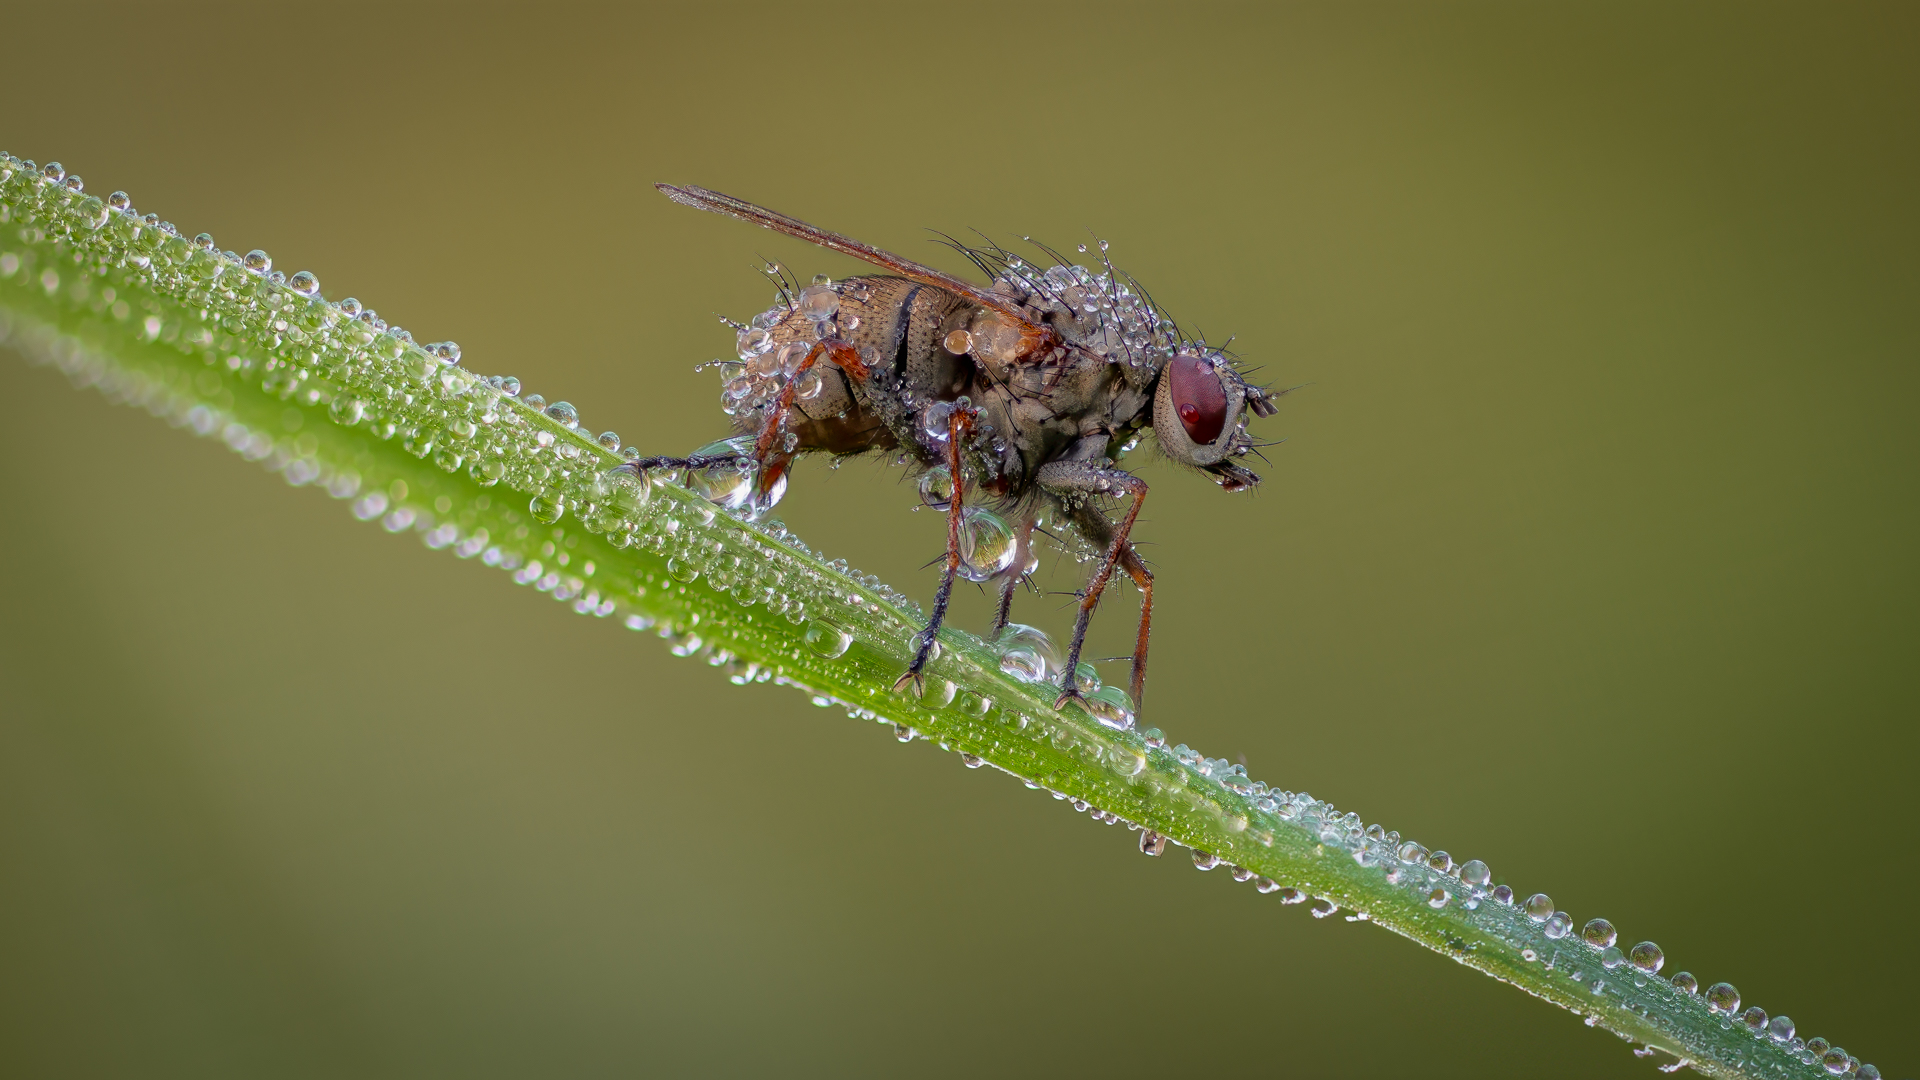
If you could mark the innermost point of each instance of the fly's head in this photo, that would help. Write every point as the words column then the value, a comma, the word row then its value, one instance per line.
column 1200, row 408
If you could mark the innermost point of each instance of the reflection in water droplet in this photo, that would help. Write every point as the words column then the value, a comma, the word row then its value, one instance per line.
column 936, row 488
column 1204, row 860
column 1647, row 957
column 547, row 508
column 1438, row 898
column 826, row 639
column 1780, row 1029
column 1559, row 925
column 1539, row 907
column 1152, row 843
column 1324, row 907
column 347, row 410
column 1598, row 933
column 1686, row 983
column 1026, row 653
column 986, row 543
column 1722, row 997
column 1755, row 1018
column 1475, row 872
column 1112, row 707
column 564, row 412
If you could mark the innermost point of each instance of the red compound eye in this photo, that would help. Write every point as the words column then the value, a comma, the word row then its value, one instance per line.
column 1198, row 397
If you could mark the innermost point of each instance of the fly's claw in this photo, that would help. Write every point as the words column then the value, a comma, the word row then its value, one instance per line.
column 1071, row 694
column 914, row 679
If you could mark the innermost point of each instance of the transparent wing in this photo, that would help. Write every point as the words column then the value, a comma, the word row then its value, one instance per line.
column 706, row 199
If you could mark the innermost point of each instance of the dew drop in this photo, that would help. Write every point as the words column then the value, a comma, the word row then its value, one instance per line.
column 1152, row 843
column 1438, row 898
column 826, row 639
column 1026, row 653
column 1411, row 852
column 347, row 410
column 257, row 260
column 304, row 283
column 986, row 544
column 936, row 488
column 1474, row 872
column 1647, row 957
column 1780, row 1029
column 1598, row 933
column 564, row 412
column 1686, row 983
column 1558, row 925
column 1203, row 860
column 1539, row 907
column 1755, row 1018
column 547, row 508
column 1722, row 997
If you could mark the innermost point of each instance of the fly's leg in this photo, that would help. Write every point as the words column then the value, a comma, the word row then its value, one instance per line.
column 1022, row 538
column 1074, row 482
column 773, row 458
column 772, row 463
column 959, row 429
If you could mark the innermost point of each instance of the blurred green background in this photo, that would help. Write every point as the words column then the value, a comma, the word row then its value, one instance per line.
column 1591, row 551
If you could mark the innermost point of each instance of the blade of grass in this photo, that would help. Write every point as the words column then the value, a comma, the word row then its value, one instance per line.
column 328, row 396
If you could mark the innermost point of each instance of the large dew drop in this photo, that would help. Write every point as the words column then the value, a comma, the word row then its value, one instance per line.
column 826, row 639
column 727, row 483
column 547, row 508
column 986, row 544
column 1026, row 653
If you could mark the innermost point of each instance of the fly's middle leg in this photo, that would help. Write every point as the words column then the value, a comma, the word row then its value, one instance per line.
column 959, row 430
column 1076, row 482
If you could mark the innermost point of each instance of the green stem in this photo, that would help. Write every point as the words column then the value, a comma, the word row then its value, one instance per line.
column 229, row 349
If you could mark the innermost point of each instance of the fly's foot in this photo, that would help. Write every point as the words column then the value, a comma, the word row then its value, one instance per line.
column 1071, row 694
column 914, row 679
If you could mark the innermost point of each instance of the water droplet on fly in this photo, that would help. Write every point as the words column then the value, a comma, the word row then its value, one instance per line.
column 936, row 488
column 986, row 544
column 826, row 639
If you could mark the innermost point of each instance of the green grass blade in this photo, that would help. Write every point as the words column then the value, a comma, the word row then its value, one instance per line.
column 227, row 348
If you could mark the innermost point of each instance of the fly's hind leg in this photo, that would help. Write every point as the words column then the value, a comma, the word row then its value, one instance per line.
column 1075, row 483
column 769, row 449
column 769, row 459
column 959, row 429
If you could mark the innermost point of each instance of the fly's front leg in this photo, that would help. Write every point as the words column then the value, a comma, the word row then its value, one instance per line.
column 959, row 429
column 1075, row 482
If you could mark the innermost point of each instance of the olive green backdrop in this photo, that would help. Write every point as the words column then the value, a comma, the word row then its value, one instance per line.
column 1591, row 551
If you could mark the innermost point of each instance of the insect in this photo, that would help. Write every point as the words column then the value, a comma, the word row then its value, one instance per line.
column 1021, row 394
